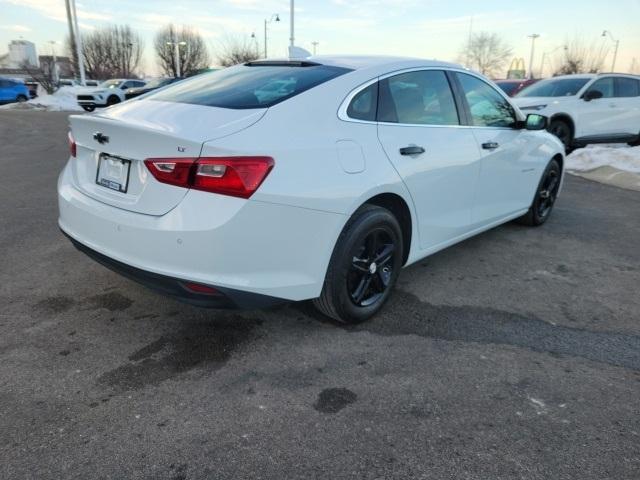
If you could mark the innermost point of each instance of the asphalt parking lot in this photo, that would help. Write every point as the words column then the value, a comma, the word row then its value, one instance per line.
column 514, row 355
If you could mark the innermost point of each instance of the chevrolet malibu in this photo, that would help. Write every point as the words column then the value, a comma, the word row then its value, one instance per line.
column 303, row 179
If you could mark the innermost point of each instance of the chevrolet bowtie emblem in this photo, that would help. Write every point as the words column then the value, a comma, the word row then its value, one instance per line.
column 100, row 138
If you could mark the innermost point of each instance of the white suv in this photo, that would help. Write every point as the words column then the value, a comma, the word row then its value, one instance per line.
column 107, row 93
column 584, row 109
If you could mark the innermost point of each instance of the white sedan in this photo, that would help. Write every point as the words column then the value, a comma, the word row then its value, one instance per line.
column 314, row 179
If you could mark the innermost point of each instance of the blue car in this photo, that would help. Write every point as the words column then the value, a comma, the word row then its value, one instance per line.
column 12, row 91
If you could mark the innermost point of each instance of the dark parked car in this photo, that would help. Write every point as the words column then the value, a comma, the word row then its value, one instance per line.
column 513, row 86
column 151, row 85
column 13, row 91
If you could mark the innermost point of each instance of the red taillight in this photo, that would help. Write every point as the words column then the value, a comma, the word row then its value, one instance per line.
column 174, row 171
column 73, row 149
column 235, row 176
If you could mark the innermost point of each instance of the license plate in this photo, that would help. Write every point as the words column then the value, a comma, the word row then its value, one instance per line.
column 113, row 173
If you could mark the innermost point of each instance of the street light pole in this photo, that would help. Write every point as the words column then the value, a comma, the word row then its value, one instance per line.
column 292, row 36
column 546, row 54
column 176, row 45
column 533, row 38
column 275, row 17
column 315, row 45
column 54, row 72
column 615, row 52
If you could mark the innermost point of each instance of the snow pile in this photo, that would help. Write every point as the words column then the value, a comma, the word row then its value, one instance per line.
column 622, row 158
column 614, row 165
column 64, row 99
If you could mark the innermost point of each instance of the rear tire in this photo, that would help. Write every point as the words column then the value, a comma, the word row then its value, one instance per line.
column 563, row 130
column 545, row 198
column 88, row 108
column 364, row 266
column 21, row 98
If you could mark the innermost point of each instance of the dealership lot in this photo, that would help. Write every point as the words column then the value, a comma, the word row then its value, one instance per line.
column 515, row 354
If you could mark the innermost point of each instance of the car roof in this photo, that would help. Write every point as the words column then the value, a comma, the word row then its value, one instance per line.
column 358, row 62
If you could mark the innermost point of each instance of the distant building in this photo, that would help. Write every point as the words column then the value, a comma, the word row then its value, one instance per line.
column 21, row 52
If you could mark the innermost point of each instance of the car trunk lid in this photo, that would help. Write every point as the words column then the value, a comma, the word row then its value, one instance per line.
column 112, row 146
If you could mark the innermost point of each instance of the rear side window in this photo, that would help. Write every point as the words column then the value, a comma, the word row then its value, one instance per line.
column 417, row 98
column 364, row 105
column 627, row 87
column 242, row 87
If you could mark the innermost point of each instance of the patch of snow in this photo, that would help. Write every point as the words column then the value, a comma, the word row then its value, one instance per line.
column 64, row 99
column 621, row 158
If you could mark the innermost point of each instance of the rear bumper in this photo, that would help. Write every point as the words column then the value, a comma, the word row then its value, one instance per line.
column 231, row 244
column 176, row 288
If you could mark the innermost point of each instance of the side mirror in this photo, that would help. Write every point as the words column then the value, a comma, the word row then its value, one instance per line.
column 535, row 122
column 592, row 95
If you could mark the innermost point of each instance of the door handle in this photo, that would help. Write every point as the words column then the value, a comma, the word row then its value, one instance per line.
column 412, row 150
column 490, row 145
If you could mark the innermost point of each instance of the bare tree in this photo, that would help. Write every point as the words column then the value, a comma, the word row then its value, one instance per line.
column 192, row 50
column 45, row 75
column 235, row 50
column 486, row 53
column 112, row 51
column 580, row 57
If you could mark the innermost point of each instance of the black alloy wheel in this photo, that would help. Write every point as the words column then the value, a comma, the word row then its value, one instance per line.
column 364, row 266
column 371, row 268
column 545, row 198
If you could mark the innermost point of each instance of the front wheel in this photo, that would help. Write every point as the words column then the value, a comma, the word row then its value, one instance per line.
column 21, row 98
column 364, row 266
column 563, row 131
column 112, row 100
column 89, row 108
column 545, row 198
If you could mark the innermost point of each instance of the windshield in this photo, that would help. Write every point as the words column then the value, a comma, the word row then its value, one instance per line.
column 563, row 87
column 256, row 86
column 110, row 84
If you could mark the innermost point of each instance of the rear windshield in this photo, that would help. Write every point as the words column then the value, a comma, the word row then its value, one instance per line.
column 565, row 87
column 241, row 87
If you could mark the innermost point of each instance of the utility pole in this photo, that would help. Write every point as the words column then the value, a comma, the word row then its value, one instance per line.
column 292, row 38
column 72, row 38
column 533, row 38
column 315, row 45
column 78, row 43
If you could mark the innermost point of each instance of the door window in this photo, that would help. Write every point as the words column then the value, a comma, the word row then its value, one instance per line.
column 604, row 86
column 627, row 87
column 418, row 98
column 488, row 107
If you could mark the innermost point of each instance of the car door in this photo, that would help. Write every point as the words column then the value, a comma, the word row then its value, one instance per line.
column 507, row 172
column 599, row 116
column 627, row 98
column 419, row 129
column 5, row 90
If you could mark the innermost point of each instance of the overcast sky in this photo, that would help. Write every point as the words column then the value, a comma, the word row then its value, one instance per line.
column 423, row 28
